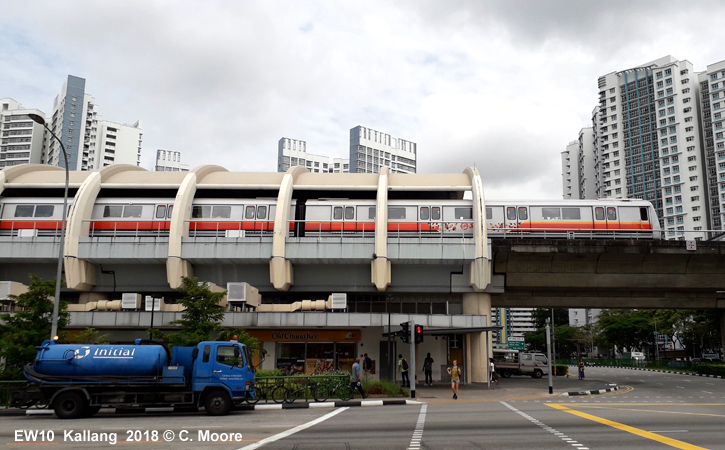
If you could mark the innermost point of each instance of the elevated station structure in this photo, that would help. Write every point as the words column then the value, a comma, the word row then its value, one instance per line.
column 435, row 279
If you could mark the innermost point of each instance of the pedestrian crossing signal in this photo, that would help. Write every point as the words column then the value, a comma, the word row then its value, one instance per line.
column 418, row 334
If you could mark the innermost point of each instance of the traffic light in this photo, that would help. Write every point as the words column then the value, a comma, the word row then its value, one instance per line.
column 418, row 334
column 405, row 332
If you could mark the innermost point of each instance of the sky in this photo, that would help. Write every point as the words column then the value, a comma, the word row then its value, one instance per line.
column 500, row 85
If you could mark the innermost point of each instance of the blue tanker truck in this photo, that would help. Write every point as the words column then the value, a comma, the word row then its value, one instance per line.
column 76, row 380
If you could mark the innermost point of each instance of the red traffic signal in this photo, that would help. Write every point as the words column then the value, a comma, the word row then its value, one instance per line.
column 418, row 334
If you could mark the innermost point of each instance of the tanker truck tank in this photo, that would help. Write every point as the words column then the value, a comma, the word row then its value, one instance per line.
column 85, row 360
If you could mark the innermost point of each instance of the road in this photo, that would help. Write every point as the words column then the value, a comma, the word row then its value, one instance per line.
column 652, row 410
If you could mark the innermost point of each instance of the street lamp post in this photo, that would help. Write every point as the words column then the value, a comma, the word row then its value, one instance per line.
column 56, row 302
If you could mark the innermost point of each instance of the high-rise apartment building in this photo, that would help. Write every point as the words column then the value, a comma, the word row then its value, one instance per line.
column 371, row 149
column 647, row 144
column 577, row 168
column 22, row 139
column 293, row 152
column 712, row 110
column 169, row 161
column 91, row 143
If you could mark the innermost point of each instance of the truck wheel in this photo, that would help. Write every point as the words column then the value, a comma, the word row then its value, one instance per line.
column 537, row 374
column 69, row 405
column 506, row 373
column 217, row 403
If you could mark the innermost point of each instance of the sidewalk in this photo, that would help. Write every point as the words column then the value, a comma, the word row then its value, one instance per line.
column 508, row 389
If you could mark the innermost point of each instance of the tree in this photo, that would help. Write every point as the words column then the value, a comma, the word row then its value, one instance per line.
column 21, row 331
column 539, row 316
column 85, row 336
column 202, row 317
column 241, row 336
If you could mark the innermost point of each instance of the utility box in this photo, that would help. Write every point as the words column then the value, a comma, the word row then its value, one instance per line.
column 130, row 300
column 243, row 293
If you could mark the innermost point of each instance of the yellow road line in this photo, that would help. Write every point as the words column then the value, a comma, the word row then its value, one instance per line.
column 614, row 407
column 645, row 434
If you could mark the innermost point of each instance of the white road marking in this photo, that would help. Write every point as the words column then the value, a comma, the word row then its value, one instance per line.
column 545, row 427
column 294, row 430
column 418, row 432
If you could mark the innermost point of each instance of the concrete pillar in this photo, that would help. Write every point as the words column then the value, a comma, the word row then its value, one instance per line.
column 722, row 333
column 479, row 304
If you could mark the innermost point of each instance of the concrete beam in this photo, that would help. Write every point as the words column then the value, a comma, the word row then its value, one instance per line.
column 380, row 267
column 280, row 268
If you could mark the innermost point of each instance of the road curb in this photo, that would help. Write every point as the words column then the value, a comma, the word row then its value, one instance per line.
column 594, row 392
column 693, row 374
column 338, row 404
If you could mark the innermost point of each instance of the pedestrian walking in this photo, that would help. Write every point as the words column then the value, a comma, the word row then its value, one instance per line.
column 403, row 370
column 355, row 379
column 428, row 370
column 455, row 373
column 581, row 369
column 493, row 375
column 367, row 365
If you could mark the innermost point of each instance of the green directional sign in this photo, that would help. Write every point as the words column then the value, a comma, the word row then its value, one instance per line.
column 516, row 343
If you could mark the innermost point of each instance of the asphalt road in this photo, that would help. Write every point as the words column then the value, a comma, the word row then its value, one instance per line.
column 651, row 410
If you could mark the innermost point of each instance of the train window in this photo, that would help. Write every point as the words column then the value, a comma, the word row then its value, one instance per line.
column 161, row 211
column 132, row 211
column 510, row 213
column 611, row 214
column 371, row 212
column 523, row 214
column 337, row 213
column 436, row 213
column 221, row 212
column 599, row 213
column 396, row 213
column 169, row 210
column 44, row 211
column 262, row 212
column 463, row 213
column 643, row 214
column 200, row 212
column 550, row 213
column 250, row 212
column 349, row 213
column 24, row 211
column 112, row 211
column 424, row 213
column 571, row 213
column 489, row 213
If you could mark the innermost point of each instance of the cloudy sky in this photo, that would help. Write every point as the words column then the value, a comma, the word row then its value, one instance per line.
column 502, row 85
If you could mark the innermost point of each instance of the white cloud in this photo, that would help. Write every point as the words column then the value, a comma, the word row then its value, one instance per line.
column 502, row 85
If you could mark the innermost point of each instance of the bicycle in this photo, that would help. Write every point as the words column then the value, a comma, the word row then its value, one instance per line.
column 267, row 391
column 296, row 389
column 332, row 389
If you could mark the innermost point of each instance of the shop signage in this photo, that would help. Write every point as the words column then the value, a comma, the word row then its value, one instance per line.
column 291, row 335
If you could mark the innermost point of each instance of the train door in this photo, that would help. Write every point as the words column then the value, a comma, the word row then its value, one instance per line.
column 429, row 219
column 299, row 216
column 343, row 218
column 162, row 217
column 516, row 217
column 606, row 218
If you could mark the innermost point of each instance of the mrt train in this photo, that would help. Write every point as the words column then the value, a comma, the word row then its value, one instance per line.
column 239, row 217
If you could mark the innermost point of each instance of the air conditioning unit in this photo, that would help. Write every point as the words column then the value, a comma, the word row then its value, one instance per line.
column 130, row 301
column 153, row 304
column 339, row 301
column 243, row 293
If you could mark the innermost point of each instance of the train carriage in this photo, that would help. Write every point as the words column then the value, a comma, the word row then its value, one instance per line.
column 30, row 216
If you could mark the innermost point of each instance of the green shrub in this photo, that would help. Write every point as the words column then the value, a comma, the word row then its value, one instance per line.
column 384, row 388
column 268, row 373
column 709, row 368
column 560, row 370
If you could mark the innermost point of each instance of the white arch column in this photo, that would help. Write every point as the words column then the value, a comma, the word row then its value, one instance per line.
column 478, row 302
column 380, row 266
column 176, row 266
column 280, row 268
